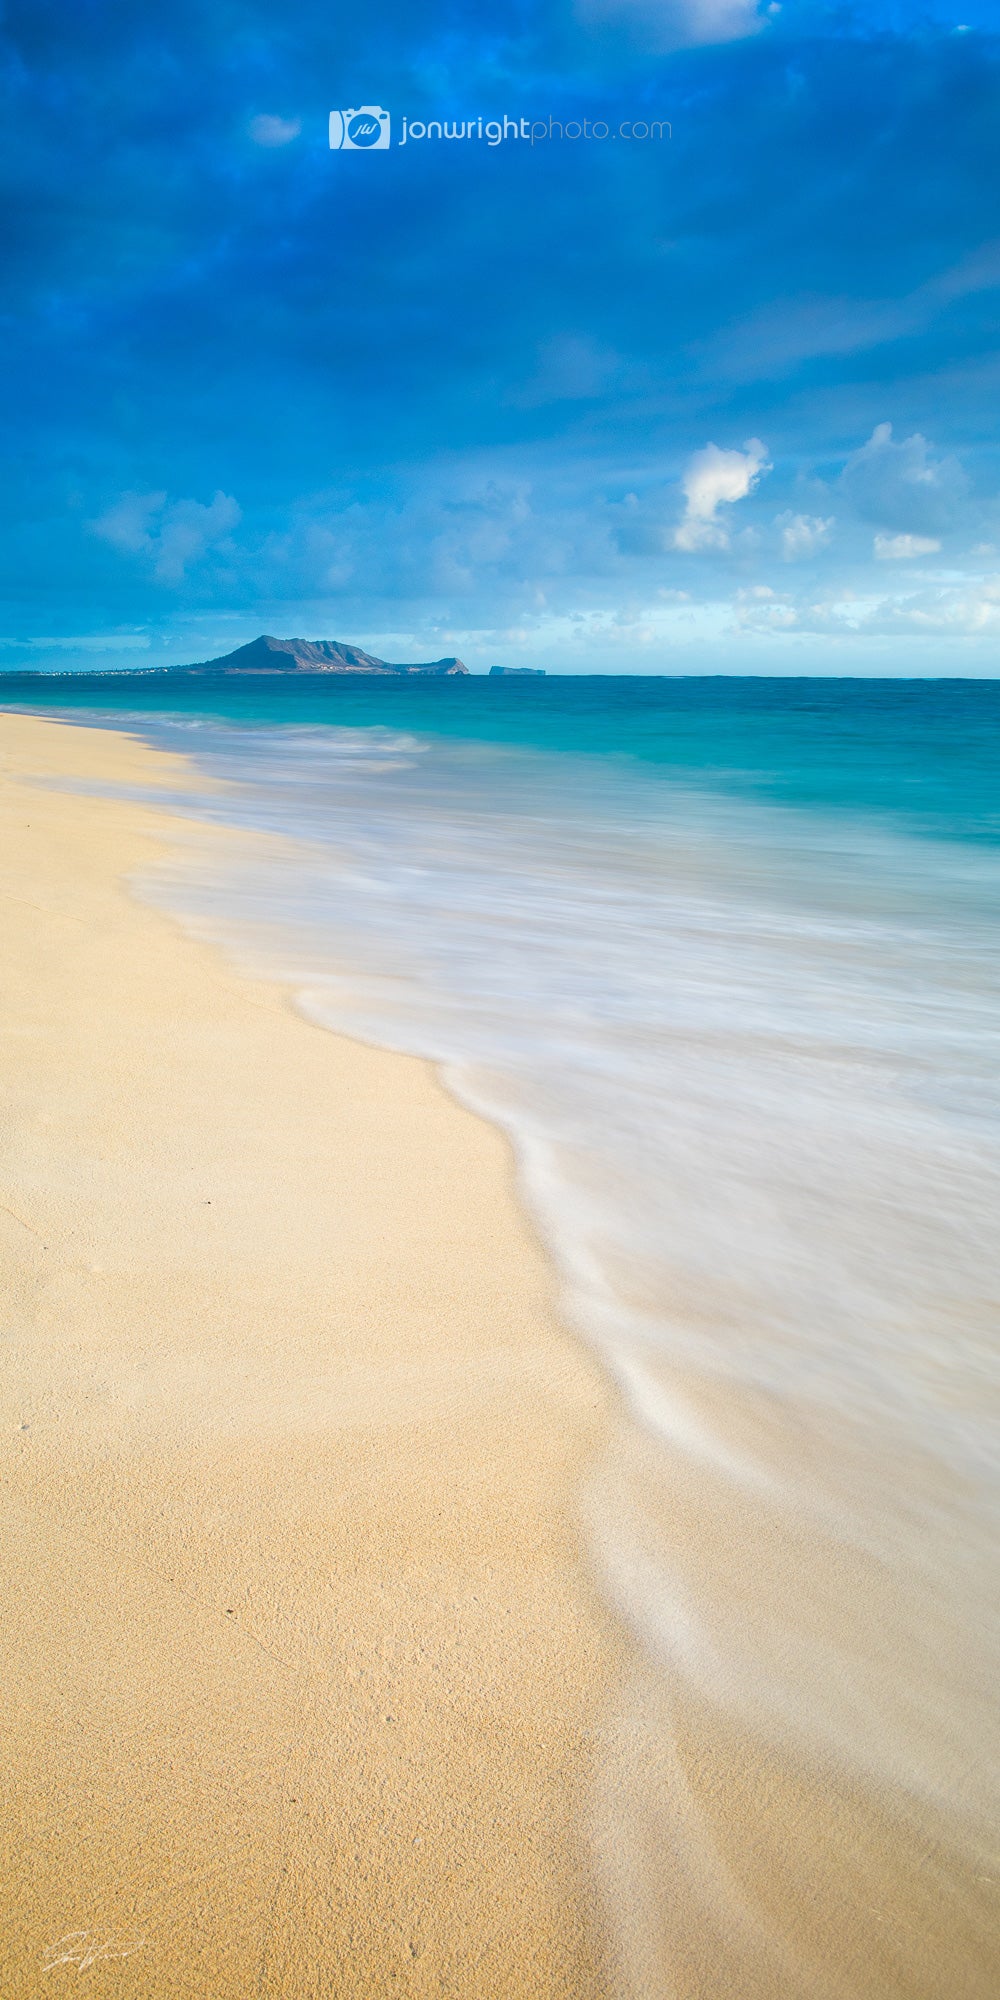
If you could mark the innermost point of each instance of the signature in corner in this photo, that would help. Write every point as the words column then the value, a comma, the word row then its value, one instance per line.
column 84, row 1948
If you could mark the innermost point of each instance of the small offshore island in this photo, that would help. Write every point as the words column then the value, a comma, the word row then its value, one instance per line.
column 267, row 655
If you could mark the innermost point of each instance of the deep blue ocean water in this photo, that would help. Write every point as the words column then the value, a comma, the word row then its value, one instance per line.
column 722, row 957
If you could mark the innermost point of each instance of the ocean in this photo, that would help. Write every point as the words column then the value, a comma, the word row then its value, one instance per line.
column 722, row 958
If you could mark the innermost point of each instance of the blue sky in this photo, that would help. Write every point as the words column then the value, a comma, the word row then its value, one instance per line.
column 723, row 401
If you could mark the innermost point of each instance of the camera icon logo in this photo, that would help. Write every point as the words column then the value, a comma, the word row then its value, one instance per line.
column 363, row 130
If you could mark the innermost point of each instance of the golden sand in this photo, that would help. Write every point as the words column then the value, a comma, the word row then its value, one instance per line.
column 304, row 1673
column 306, row 1689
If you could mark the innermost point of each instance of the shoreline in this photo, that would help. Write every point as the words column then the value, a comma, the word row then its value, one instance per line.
column 312, row 1672
column 360, row 1598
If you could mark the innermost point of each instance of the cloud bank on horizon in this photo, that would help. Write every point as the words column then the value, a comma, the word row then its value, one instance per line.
column 718, row 401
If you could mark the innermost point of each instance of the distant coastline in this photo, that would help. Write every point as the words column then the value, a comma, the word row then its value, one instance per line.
column 293, row 657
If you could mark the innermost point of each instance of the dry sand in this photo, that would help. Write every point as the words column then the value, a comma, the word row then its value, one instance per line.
column 304, row 1673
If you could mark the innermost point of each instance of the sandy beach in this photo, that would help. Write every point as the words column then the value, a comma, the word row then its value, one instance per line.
column 304, row 1673
column 355, row 1640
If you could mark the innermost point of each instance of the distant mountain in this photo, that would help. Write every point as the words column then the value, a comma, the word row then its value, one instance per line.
column 531, row 673
column 312, row 656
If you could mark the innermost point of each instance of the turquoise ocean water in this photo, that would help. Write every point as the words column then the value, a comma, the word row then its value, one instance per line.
column 723, row 959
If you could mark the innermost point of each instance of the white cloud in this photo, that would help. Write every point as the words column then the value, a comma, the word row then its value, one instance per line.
column 959, row 611
column 268, row 130
column 126, row 525
column 902, row 548
column 901, row 485
column 171, row 536
column 761, row 609
column 802, row 534
column 712, row 479
column 674, row 24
